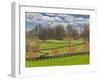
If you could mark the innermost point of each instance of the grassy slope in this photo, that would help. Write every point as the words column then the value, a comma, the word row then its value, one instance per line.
column 75, row 60
column 58, row 43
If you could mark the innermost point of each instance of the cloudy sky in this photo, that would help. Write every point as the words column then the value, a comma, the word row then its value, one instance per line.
column 33, row 19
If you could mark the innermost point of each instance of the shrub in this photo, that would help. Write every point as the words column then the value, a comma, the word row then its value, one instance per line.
column 55, row 52
column 72, row 49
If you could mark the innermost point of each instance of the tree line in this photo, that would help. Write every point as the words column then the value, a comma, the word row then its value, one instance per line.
column 59, row 32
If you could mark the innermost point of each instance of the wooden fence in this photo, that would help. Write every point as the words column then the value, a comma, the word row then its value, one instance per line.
column 58, row 56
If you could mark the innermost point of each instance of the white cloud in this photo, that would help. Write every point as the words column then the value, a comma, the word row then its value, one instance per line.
column 46, row 18
column 53, row 19
column 57, row 19
column 81, row 20
column 69, row 18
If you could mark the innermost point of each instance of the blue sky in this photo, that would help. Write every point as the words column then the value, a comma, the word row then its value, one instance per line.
column 32, row 19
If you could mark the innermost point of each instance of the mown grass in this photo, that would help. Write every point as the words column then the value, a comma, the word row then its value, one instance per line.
column 58, row 43
column 75, row 60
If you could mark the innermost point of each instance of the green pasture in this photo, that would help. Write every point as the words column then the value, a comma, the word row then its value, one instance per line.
column 48, row 44
column 75, row 60
column 58, row 43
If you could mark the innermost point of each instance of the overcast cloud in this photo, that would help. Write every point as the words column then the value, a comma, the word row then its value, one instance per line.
column 32, row 19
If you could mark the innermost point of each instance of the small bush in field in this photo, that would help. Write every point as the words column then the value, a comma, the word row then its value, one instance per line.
column 72, row 49
column 55, row 52
column 32, row 47
column 86, row 45
column 31, row 55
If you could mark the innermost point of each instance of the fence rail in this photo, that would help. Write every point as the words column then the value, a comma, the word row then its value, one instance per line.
column 58, row 56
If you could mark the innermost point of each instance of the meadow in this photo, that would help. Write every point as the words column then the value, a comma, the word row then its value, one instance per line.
column 75, row 60
column 63, row 47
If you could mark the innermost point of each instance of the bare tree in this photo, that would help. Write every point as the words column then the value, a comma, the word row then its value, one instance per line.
column 85, row 32
column 59, row 32
column 71, row 33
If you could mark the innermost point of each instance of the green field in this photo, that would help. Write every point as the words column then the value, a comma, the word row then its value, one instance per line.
column 49, row 44
column 58, row 43
column 75, row 60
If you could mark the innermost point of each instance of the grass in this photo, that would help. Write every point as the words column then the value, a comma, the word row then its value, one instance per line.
column 75, row 60
column 58, row 43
